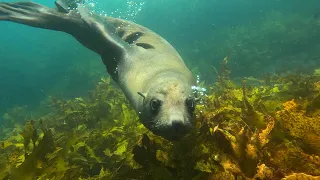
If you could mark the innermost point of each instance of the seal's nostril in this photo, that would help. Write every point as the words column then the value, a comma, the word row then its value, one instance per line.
column 178, row 126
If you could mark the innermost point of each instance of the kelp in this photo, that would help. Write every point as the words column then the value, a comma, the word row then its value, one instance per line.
column 242, row 131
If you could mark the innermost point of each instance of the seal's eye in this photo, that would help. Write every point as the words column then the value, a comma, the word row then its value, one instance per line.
column 190, row 103
column 155, row 105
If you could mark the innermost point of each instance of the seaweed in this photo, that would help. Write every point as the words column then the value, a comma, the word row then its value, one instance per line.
column 242, row 131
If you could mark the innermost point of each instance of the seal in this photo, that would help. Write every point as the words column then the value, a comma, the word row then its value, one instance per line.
column 149, row 70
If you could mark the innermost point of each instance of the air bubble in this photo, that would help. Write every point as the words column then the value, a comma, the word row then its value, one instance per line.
column 130, row 9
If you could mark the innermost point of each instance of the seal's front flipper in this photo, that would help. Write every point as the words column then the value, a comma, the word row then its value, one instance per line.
column 93, row 32
column 67, row 5
column 31, row 14
column 96, row 33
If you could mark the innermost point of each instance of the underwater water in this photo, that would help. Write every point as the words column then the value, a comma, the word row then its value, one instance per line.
column 259, row 119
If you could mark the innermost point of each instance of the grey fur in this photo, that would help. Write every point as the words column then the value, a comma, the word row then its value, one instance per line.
column 146, row 67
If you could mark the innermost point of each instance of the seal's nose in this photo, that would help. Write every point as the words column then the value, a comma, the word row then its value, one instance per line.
column 178, row 126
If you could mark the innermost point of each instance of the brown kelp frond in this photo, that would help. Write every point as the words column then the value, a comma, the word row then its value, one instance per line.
column 269, row 131
column 301, row 176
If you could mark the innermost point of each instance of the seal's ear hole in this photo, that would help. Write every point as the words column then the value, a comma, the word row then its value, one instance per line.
column 143, row 95
column 197, row 99
column 191, row 104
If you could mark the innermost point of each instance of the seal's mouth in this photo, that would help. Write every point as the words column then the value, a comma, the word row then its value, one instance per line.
column 172, row 133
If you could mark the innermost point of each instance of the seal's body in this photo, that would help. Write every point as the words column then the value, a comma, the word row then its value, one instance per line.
column 148, row 69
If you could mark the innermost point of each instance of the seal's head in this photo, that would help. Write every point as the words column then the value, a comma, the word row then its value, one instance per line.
column 168, row 110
